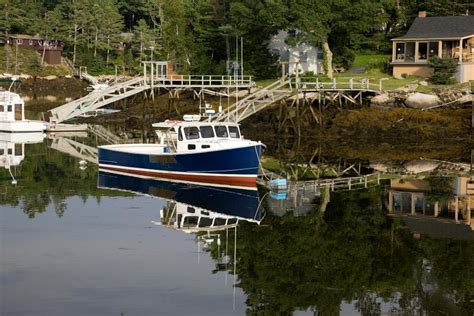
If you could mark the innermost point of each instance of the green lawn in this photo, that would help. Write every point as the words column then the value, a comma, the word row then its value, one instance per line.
column 375, row 70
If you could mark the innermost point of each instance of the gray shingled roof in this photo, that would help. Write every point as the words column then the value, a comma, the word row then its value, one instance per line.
column 440, row 27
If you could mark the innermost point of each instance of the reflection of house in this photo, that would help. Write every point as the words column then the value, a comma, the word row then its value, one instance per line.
column 304, row 56
column 51, row 48
column 442, row 36
column 413, row 197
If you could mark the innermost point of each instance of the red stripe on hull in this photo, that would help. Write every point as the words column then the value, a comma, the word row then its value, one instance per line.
column 232, row 180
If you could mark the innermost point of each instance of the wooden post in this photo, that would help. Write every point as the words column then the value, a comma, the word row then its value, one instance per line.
column 460, row 51
column 468, row 215
column 412, row 204
column 436, row 209
column 440, row 49
column 416, row 52
column 365, row 182
column 394, row 52
column 456, row 209
column 390, row 202
column 351, row 83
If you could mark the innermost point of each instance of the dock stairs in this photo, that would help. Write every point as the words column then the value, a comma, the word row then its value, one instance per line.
column 255, row 102
column 96, row 100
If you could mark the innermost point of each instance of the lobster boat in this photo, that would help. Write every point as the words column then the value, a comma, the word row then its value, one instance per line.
column 189, row 150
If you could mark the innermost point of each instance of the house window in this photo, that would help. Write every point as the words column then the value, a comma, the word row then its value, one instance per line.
column 19, row 41
column 433, row 49
column 422, row 51
column 400, row 51
column 410, row 51
column 9, row 108
column 303, row 57
column 30, row 42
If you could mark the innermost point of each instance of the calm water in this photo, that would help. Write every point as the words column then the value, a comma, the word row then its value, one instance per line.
column 74, row 241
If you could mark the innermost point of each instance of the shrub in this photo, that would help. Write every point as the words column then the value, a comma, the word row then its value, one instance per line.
column 443, row 70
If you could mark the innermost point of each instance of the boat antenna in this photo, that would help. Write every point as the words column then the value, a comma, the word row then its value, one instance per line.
column 13, row 79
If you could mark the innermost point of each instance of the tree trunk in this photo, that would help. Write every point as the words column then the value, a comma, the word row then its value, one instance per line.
column 74, row 46
column 95, row 42
column 327, row 59
column 108, row 49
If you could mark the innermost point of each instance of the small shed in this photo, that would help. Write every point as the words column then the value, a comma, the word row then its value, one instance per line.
column 51, row 48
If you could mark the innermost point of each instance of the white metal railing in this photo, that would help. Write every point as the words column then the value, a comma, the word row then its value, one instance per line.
column 339, row 183
column 200, row 81
column 311, row 83
column 255, row 102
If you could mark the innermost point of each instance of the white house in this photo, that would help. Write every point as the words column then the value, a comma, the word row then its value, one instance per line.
column 304, row 56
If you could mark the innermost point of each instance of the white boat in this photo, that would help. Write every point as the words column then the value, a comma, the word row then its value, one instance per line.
column 204, row 152
column 12, row 115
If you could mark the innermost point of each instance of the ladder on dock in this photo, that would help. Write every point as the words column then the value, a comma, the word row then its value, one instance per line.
column 96, row 100
column 255, row 102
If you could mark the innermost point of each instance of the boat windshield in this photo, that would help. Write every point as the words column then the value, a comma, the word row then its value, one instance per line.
column 191, row 132
column 206, row 131
column 221, row 131
column 234, row 132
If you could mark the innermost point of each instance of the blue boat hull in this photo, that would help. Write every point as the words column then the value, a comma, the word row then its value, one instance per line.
column 236, row 166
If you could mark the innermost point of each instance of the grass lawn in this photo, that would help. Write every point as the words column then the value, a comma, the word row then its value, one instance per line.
column 375, row 65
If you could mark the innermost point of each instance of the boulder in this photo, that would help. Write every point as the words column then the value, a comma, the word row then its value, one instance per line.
column 423, row 83
column 418, row 166
column 422, row 100
column 24, row 76
column 50, row 77
column 382, row 99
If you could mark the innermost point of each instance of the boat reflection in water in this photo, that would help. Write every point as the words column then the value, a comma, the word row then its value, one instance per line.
column 12, row 149
column 192, row 208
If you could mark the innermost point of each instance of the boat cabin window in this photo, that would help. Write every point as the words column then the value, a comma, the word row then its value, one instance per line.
column 206, row 131
column 18, row 149
column 205, row 222
column 180, row 136
column 191, row 132
column 191, row 146
column 190, row 221
column 234, row 132
column 221, row 131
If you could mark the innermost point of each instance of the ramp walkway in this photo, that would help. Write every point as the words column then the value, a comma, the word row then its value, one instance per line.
column 255, row 102
column 96, row 100
column 121, row 90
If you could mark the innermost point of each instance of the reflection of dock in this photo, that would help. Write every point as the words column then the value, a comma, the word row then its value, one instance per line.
column 416, row 198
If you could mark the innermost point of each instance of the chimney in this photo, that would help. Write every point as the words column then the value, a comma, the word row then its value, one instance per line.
column 422, row 14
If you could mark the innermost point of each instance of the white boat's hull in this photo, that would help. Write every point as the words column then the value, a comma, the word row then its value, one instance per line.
column 25, row 126
column 22, row 138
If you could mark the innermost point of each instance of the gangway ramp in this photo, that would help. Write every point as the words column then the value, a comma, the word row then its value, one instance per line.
column 255, row 102
column 96, row 99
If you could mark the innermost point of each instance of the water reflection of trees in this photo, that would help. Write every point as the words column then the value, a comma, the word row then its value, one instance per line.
column 48, row 177
column 353, row 254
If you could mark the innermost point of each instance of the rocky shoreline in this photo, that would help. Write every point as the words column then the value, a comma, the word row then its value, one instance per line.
column 407, row 98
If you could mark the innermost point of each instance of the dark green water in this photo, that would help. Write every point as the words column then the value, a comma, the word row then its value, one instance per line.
column 73, row 242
